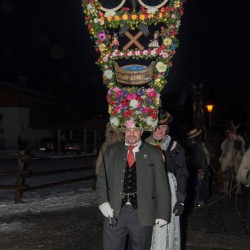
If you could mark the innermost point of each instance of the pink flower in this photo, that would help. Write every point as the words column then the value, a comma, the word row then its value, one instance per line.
column 151, row 92
column 130, row 123
column 164, row 54
column 116, row 109
column 119, row 93
column 131, row 96
column 146, row 110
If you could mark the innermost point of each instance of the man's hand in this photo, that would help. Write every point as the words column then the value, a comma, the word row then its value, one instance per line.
column 178, row 208
column 106, row 209
column 161, row 222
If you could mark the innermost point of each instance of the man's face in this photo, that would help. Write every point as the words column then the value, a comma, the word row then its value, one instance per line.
column 112, row 135
column 232, row 136
column 132, row 136
column 160, row 132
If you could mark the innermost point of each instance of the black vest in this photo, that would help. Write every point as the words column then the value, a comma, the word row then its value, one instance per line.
column 129, row 186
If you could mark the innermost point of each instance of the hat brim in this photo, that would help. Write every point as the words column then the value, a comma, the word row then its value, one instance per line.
column 195, row 134
column 122, row 129
column 164, row 121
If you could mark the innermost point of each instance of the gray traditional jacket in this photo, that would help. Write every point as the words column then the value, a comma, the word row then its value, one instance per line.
column 153, row 191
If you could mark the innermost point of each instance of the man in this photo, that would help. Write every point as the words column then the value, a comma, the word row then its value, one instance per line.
column 175, row 165
column 111, row 136
column 198, row 163
column 232, row 150
column 133, row 192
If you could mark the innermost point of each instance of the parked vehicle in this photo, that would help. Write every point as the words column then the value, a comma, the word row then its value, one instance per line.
column 72, row 146
column 47, row 144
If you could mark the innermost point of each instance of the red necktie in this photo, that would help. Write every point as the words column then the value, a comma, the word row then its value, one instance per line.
column 131, row 157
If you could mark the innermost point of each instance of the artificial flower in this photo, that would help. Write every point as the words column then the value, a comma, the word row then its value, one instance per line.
column 108, row 74
column 152, row 10
column 109, row 13
column 161, row 67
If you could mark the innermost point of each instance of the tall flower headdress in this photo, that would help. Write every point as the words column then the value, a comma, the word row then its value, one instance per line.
column 136, row 45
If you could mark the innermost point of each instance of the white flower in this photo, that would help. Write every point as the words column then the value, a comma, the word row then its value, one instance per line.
column 153, row 52
column 109, row 13
column 130, row 53
column 91, row 9
column 114, row 121
column 145, row 52
column 90, row 6
column 121, row 54
column 108, row 74
column 152, row 10
column 137, row 52
column 161, row 67
column 133, row 103
column 96, row 20
column 151, row 122
column 178, row 23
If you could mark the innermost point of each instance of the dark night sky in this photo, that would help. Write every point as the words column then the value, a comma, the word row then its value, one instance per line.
column 48, row 42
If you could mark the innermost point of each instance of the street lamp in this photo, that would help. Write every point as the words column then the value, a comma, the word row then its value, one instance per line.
column 210, row 110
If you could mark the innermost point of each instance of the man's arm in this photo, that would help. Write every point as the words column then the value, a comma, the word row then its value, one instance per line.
column 101, row 183
column 163, row 193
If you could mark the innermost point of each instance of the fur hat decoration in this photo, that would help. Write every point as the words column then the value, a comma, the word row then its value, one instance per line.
column 194, row 133
column 231, row 128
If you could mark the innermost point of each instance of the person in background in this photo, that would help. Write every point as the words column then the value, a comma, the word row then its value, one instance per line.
column 243, row 177
column 133, row 192
column 175, row 165
column 232, row 150
column 198, row 161
column 111, row 136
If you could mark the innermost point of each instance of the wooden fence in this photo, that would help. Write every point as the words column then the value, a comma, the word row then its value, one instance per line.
column 22, row 173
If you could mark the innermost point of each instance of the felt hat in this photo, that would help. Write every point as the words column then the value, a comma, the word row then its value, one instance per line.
column 164, row 117
column 193, row 133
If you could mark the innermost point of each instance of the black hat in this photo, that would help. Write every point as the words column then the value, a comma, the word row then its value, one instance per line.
column 164, row 117
column 193, row 133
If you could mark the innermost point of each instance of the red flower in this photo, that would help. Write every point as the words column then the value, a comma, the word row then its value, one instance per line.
column 167, row 9
column 153, row 113
column 124, row 102
column 125, row 9
column 128, row 113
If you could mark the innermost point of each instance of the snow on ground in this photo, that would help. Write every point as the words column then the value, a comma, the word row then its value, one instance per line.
column 79, row 194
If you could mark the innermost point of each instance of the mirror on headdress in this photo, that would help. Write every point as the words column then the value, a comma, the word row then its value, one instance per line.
column 152, row 3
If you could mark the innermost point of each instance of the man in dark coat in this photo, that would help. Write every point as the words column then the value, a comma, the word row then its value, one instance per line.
column 134, row 194
column 175, row 164
column 198, row 161
column 174, row 156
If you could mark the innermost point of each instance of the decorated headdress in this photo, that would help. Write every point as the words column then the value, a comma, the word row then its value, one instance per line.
column 136, row 45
